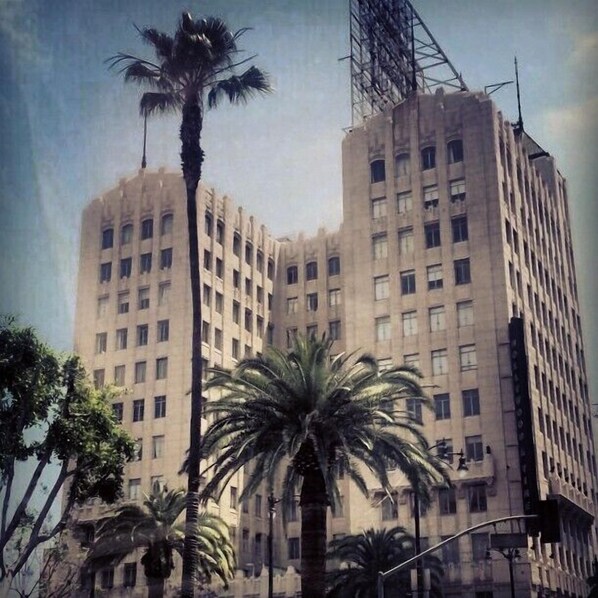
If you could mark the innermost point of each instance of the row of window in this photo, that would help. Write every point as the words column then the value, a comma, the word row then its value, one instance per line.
column 142, row 336
column 434, row 275
column 143, row 299
column 138, row 409
column 334, row 332
column 140, row 373
column 147, row 231
column 311, row 270
column 129, row 579
column 312, row 302
column 145, row 265
column 454, row 150
column 158, row 444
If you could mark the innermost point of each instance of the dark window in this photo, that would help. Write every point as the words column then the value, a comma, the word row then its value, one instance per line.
column 428, row 158
column 471, row 402
column 432, row 231
column 447, row 501
column 414, row 409
column 126, row 234
column 462, row 271
column 161, row 368
column 140, row 369
column 460, row 232
column 408, row 282
column 455, row 151
column 334, row 266
column 442, row 406
column 166, row 224
column 219, row 268
column 160, row 406
column 99, row 378
column 107, row 578
column 138, row 410
column 163, row 330
column 292, row 275
column 142, row 335
column 126, row 266
column 207, row 259
column 208, row 224
column 117, row 411
column 248, row 320
column 166, row 258
column 311, row 271
column 220, row 232
column 147, row 229
column 259, row 261
column 477, row 498
column 450, row 551
column 474, row 449
column 294, row 548
column 237, row 244
column 311, row 302
column 377, row 171
column 145, row 263
column 236, row 279
column 143, row 298
column 334, row 330
column 390, row 508
column 105, row 272
column 270, row 269
column 107, row 238
column 130, row 575
column 248, row 253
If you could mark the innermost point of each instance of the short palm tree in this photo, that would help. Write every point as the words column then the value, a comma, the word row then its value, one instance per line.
column 363, row 555
column 314, row 415
column 154, row 529
column 195, row 66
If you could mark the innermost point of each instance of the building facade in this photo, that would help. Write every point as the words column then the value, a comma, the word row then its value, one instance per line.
column 453, row 223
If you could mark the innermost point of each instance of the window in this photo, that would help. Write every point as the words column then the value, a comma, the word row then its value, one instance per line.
column 259, row 324
column 102, row 306
column 474, row 449
column 248, row 253
column 334, row 297
column 126, row 265
column 101, row 342
column 377, row 171
column 291, row 334
column 145, row 263
column 219, row 297
column 134, row 489
column 292, row 275
column 442, row 406
column 437, row 318
column 147, row 228
column 159, row 406
column 220, row 232
column 117, row 411
column 235, row 348
column 457, row 190
column 379, row 208
column 462, row 271
column 294, row 548
column 390, row 508
column 142, row 335
column 107, row 578
column 161, row 368
column 107, row 238
column 207, row 224
column 447, row 501
column 233, row 497
column 408, row 282
column 143, row 298
column 311, row 331
column 258, row 505
column 337, row 507
column 460, row 232
column 479, row 546
column 409, row 323
column 157, row 447
column 248, row 320
column 471, row 402
column 406, row 241
column 402, row 165
column 468, row 358
column 428, row 158
column 465, row 313
column 99, row 378
column 130, row 575
column 439, row 362
column 140, row 370
column 119, row 375
column 248, row 287
column 334, row 330
column 123, row 303
column 292, row 303
column 105, row 272
column 237, row 244
column 166, row 258
column 138, row 410
column 454, row 150
column 207, row 295
column 404, row 202
column 476, row 496
column 383, row 328
column 380, row 246
column 334, row 266
column 270, row 269
column 163, row 330
column 450, row 551
column 157, row 483
column 412, row 359
column 414, row 409
column 259, row 261
column 163, row 293
column 434, row 274
column 311, row 271
column 432, row 233
column 236, row 315
column 121, row 339
column 166, row 224
column 381, row 287
column 207, row 259
column 312, row 302
column 218, row 339
column 430, row 197
column 126, row 234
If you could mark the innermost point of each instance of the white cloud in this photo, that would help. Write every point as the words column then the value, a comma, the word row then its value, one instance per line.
column 585, row 49
column 579, row 119
column 19, row 25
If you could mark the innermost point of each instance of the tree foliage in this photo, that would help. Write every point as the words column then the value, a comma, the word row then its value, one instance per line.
column 51, row 417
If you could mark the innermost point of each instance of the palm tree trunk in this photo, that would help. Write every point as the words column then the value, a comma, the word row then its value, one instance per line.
column 155, row 587
column 313, row 502
column 192, row 159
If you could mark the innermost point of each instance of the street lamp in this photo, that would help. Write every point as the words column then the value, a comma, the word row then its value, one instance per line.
column 443, row 453
column 510, row 554
column 272, row 502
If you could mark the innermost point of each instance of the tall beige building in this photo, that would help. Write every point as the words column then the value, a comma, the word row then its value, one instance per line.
column 453, row 223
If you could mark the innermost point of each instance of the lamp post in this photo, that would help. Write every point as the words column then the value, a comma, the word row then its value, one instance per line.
column 510, row 554
column 419, row 565
column 272, row 502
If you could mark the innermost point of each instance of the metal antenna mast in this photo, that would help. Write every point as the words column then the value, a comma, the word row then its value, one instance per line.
column 393, row 54
column 519, row 125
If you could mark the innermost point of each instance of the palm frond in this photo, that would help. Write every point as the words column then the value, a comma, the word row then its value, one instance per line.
column 161, row 42
column 240, row 88
column 154, row 101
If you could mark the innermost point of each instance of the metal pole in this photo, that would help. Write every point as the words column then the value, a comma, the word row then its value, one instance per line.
column 271, row 507
column 419, row 564
column 512, row 580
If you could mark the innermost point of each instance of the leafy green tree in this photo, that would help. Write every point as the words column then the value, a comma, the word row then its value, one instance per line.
column 195, row 66
column 314, row 416
column 51, row 417
column 154, row 529
column 364, row 555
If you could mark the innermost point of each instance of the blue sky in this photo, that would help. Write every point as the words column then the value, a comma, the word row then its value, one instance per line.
column 69, row 129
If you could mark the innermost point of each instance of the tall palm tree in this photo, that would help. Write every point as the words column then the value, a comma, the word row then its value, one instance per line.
column 153, row 528
column 194, row 66
column 364, row 555
column 314, row 415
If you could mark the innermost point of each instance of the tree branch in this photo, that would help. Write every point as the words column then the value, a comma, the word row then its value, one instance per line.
column 7, row 493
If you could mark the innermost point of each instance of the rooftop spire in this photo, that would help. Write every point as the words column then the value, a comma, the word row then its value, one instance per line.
column 519, row 126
